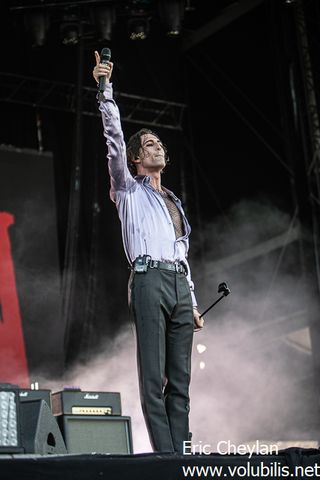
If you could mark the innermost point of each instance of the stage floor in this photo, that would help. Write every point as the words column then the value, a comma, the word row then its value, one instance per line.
column 292, row 462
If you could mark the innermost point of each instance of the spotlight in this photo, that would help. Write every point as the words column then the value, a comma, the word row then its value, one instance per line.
column 171, row 14
column 104, row 19
column 138, row 28
column 69, row 30
column 37, row 25
column 10, row 437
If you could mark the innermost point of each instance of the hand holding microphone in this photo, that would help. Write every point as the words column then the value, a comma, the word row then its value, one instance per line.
column 103, row 68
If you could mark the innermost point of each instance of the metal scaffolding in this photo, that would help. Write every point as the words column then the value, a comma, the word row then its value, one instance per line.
column 53, row 95
column 312, row 157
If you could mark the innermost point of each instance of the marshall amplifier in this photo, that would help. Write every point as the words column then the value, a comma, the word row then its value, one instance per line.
column 96, row 433
column 77, row 402
column 28, row 395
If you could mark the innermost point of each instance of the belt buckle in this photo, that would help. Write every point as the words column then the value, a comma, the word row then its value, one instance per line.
column 177, row 267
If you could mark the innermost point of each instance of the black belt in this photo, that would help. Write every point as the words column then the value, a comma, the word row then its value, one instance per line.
column 142, row 263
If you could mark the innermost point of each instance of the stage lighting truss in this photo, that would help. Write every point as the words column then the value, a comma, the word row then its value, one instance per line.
column 10, row 438
column 45, row 94
column 99, row 17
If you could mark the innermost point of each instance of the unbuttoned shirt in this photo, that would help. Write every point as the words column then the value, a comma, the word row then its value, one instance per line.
column 147, row 227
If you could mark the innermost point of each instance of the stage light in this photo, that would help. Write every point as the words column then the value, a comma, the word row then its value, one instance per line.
column 171, row 14
column 37, row 25
column 138, row 28
column 69, row 30
column 104, row 19
column 10, row 441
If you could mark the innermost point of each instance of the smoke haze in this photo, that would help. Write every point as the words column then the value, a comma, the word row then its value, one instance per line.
column 252, row 372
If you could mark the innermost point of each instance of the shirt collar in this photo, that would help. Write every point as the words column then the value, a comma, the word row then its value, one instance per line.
column 142, row 178
column 146, row 180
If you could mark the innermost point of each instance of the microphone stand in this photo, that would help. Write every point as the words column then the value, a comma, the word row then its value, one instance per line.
column 223, row 287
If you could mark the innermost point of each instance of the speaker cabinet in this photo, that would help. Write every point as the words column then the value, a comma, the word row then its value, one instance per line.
column 96, row 433
column 26, row 395
column 40, row 432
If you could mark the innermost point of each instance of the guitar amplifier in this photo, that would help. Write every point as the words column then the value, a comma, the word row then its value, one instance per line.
column 96, row 433
column 77, row 402
column 28, row 395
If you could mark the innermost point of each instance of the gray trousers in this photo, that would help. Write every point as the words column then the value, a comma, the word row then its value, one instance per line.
column 163, row 317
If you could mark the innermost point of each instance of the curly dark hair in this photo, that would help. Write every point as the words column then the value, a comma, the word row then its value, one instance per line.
column 133, row 149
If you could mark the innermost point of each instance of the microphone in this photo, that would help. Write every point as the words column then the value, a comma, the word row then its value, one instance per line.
column 104, row 58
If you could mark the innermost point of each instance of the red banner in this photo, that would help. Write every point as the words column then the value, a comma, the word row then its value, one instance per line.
column 13, row 359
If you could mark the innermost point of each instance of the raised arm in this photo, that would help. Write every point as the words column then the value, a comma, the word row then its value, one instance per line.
column 121, row 178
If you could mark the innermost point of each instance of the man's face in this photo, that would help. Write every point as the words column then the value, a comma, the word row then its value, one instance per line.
column 152, row 155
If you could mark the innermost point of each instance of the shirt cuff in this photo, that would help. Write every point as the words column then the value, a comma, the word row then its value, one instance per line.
column 193, row 297
column 108, row 91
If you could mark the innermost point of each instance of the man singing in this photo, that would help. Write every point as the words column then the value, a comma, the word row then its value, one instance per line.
column 155, row 235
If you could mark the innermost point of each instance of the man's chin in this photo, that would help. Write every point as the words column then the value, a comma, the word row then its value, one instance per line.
column 158, row 166
column 161, row 164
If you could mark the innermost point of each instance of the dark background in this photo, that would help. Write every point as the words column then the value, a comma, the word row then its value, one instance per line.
column 228, row 81
column 231, row 146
